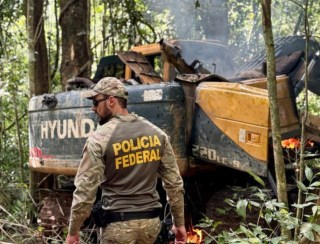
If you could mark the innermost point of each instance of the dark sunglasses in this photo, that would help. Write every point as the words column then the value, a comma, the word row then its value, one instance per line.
column 96, row 102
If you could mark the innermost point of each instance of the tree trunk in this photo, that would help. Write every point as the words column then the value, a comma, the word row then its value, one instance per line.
column 274, row 109
column 37, row 48
column 18, row 134
column 75, row 26
column 38, row 66
column 304, row 115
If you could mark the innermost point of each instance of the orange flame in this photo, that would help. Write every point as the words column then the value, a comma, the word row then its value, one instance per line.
column 194, row 236
column 292, row 143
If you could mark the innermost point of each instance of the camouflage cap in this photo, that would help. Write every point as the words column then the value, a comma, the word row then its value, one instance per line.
column 109, row 86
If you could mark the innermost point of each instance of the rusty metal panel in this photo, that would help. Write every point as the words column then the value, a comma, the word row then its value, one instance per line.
column 140, row 66
column 313, row 127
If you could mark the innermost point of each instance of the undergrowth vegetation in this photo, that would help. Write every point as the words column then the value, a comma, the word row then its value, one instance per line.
column 15, row 226
column 272, row 216
column 245, row 39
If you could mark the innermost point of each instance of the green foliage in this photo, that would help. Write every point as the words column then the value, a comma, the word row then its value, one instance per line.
column 9, row 156
column 117, row 26
column 14, row 201
column 257, row 178
column 313, row 103
column 245, row 29
column 273, row 215
column 125, row 24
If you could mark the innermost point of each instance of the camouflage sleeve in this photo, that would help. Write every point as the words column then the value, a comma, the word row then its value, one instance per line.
column 89, row 177
column 172, row 183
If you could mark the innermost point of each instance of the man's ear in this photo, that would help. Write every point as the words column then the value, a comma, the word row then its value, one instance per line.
column 111, row 101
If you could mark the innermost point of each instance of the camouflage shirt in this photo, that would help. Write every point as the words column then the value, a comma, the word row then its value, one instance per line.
column 125, row 156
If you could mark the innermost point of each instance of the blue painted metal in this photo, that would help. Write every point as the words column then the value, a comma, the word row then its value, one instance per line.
column 60, row 132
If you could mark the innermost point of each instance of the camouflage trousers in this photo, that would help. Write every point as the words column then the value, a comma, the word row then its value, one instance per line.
column 140, row 231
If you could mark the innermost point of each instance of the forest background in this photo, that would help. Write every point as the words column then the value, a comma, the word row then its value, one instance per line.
column 105, row 28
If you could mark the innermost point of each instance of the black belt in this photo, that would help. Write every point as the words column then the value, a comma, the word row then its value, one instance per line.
column 123, row 216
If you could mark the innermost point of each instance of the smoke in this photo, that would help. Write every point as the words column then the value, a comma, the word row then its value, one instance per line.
column 195, row 19
column 236, row 24
column 199, row 20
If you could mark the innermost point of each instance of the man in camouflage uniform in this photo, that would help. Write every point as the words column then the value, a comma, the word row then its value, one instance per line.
column 124, row 156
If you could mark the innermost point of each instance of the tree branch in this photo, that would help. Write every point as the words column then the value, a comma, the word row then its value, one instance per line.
column 56, row 60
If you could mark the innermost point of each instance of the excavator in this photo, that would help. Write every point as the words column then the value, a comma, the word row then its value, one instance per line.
column 217, row 115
